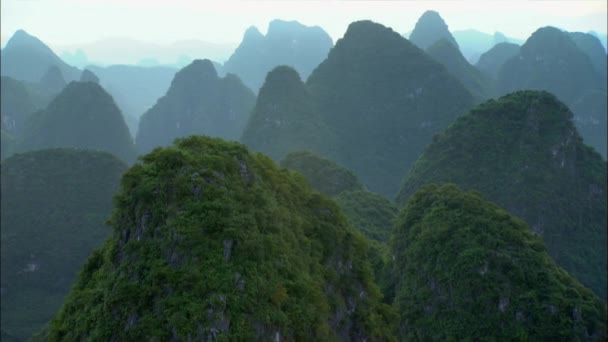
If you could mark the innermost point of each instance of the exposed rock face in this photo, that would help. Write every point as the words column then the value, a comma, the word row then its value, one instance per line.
column 198, row 102
column 212, row 242
column 286, row 43
column 467, row 270
column 524, row 153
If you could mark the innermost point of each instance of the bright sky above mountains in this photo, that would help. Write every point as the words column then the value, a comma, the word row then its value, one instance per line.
column 68, row 22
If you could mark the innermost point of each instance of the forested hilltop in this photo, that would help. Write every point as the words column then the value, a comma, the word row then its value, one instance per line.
column 316, row 181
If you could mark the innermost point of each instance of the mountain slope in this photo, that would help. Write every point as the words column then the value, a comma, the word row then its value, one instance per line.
column 470, row 271
column 429, row 29
column 550, row 60
column 27, row 58
column 54, row 207
column 524, row 153
column 492, row 60
column 285, row 119
column 198, row 102
column 378, row 94
column 212, row 242
column 82, row 116
column 286, row 43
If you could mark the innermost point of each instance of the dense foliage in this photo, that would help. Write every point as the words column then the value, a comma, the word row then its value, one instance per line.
column 286, row 43
column 54, row 207
column 322, row 174
column 492, row 60
column 370, row 213
column 212, row 242
column 470, row 271
column 198, row 102
column 430, row 28
column 285, row 119
column 83, row 116
column 379, row 94
column 449, row 56
column 550, row 60
column 524, row 153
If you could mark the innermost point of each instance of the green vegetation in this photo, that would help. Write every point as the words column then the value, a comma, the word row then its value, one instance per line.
column 470, row 271
column 550, row 60
column 82, row 116
column 54, row 207
column 210, row 241
column 198, row 102
column 370, row 213
column 524, row 153
column 322, row 174
column 284, row 118
column 378, row 93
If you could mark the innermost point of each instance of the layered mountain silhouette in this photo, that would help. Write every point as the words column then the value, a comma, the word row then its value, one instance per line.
column 82, row 116
column 378, row 94
column 134, row 88
column 449, row 56
column 492, row 60
column 550, row 60
column 286, row 43
column 198, row 102
column 27, row 58
column 429, row 29
column 18, row 101
column 88, row 76
column 593, row 48
column 524, row 153
column 267, row 259
column 285, row 118
column 474, row 43
column 54, row 207
column 469, row 270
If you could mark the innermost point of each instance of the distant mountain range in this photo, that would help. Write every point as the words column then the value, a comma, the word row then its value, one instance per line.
column 132, row 51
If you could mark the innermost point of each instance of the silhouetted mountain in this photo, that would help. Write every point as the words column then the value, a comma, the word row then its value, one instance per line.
column 212, row 242
column 524, row 153
column 379, row 94
column 322, row 174
column 429, row 29
column 473, row 43
column 449, row 56
column 198, row 102
column 593, row 48
column 88, row 76
column 285, row 119
column 492, row 60
column 551, row 61
column 286, row 43
column 54, row 207
column 26, row 58
column 82, row 116
column 469, row 271
column 18, row 101
column 52, row 80
column 135, row 89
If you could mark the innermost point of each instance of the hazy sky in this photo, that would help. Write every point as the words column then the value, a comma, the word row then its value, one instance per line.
column 68, row 22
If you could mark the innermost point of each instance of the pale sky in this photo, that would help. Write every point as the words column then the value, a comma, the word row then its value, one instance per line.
column 69, row 22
